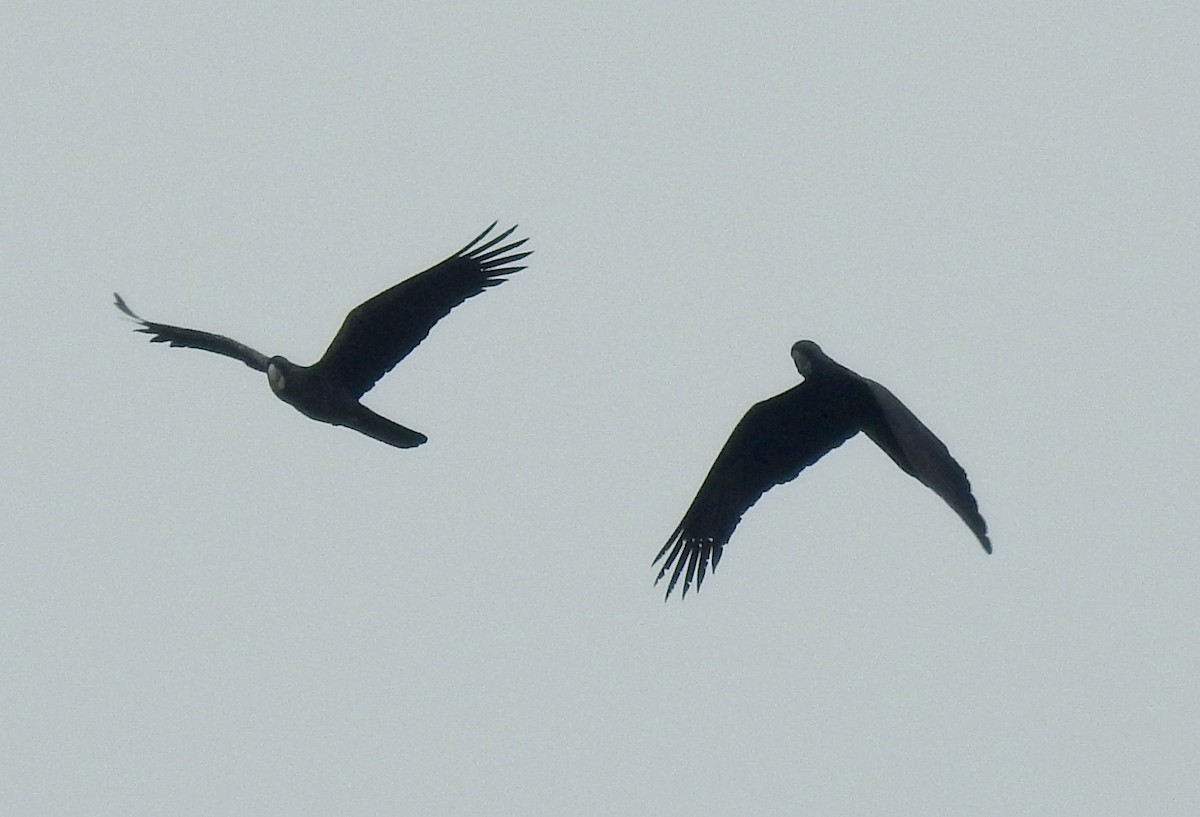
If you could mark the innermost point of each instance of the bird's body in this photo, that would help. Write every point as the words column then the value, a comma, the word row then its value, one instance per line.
column 375, row 336
column 326, row 400
column 783, row 435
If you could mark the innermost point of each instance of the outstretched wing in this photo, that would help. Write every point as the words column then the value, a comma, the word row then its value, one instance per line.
column 776, row 440
column 195, row 339
column 921, row 454
column 379, row 333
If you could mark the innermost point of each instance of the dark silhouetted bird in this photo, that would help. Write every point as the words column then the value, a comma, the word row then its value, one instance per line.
column 375, row 336
column 781, row 436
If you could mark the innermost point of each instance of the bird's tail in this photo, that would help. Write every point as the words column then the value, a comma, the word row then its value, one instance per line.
column 379, row 428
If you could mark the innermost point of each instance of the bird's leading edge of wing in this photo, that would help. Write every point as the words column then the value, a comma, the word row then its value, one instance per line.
column 919, row 452
column 378, row 333
column 775, row 440
column 195, row 339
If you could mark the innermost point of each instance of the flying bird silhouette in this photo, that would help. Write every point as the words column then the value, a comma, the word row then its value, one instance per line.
column 781, row 436
column 376, row 335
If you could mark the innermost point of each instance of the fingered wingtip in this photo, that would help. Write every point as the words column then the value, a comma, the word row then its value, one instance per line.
column 475, row 250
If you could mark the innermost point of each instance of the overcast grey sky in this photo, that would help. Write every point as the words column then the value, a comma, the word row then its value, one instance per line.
column 212, row 605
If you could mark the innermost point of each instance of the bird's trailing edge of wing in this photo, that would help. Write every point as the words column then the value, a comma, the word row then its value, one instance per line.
column 194, row 339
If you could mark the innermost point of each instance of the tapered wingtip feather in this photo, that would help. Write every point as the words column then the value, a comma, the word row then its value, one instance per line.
column 477, row 238
column 120, row 304
column 473, row 251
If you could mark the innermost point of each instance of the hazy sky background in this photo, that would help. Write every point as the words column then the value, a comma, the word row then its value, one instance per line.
column 212, row 605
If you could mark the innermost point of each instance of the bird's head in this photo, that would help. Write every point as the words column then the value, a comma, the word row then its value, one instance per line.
column 276, row 366
column 807, row 355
